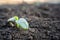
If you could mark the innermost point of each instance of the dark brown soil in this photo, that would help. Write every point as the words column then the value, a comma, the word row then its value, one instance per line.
column 44, row 21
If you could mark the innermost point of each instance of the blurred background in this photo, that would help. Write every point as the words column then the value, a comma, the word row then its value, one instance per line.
column 27, row 1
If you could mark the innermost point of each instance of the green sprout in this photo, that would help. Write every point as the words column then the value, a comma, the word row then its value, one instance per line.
column 20, row 23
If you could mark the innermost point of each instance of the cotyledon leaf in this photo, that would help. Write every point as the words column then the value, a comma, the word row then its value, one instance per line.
column 22, row 23
column 13, row 18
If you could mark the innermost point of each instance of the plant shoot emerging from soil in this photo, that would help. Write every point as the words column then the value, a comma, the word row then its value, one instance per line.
column 19, row 23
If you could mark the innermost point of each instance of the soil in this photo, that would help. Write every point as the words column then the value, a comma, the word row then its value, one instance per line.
column 44, row 22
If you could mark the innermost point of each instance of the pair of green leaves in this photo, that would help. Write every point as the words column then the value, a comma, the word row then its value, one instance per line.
column 20, row 23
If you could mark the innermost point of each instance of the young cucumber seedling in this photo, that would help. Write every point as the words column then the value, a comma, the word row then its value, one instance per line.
column 20, row 23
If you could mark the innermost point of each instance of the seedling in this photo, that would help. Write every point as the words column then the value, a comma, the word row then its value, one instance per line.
column 20, row 23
